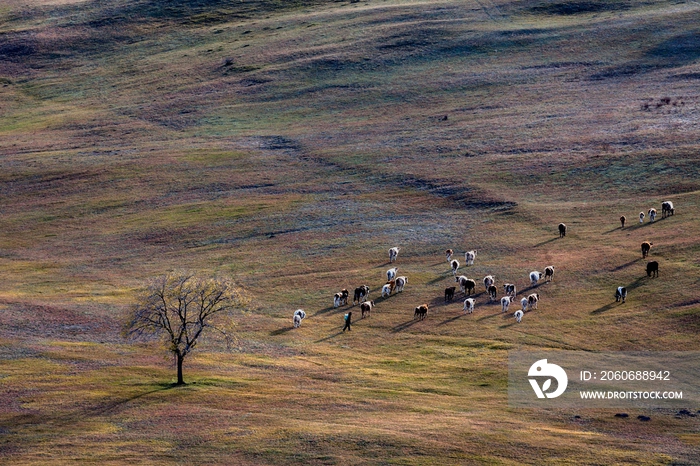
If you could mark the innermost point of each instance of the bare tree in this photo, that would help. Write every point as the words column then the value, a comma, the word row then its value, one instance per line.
column 178, row 308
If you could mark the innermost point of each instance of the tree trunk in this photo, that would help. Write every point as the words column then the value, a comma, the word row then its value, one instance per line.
column 180, row 380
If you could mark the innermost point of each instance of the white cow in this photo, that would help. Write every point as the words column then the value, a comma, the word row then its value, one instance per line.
column 505, row 303
column 299, row 315
column 488, row 281
column 510, row 289
column 548, row 273
column 386, row 290
column 391, row 274
column 532, row 300
column 469, row 257
column 455, row 265
column 393, row 253
column 518, row 315
column 667, row 209
column 468, row 305
column 400, row 283
column 535, row 277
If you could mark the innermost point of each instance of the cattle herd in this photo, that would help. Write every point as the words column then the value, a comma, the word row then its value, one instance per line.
column 396, row 284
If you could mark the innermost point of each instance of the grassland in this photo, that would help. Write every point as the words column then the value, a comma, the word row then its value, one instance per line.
column 289, row 145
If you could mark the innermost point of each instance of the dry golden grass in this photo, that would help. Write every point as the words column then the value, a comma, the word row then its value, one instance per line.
column 289, row 145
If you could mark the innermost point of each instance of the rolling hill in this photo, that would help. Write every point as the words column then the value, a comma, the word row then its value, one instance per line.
column 289, row 145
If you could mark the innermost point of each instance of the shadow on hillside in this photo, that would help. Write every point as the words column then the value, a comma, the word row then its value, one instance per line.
column 403, row 326
column 637, row 226
column 634, row 285
column 615, row 229
column 545, row 242
column 439, row 279
column 439, row 302
column 620, row 267
column 107, row 407
column 329, row 337
column 529, row 288
column 331, row 309
column 448, row 321
column 605, row 308
column 490, row 316
column 510, row 324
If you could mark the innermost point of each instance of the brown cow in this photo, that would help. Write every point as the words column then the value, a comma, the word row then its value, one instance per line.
column 532, row 300
column 366, row 308
column 492, row 292
column 652, row 269
column 450, row 293
column 467, row 285
column 421, row 311
column 646, row 246
column 548, row 273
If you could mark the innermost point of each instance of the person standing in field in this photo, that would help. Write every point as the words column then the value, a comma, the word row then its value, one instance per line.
column 348, row 319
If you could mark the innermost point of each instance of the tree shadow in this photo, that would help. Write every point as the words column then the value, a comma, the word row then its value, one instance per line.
column 108, row 407
column 403, row 326
column 545, row 242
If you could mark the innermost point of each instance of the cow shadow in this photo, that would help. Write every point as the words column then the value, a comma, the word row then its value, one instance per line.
column 623, row 266
column 448, row 321
column 529, row 288
column 490, row 316
column 404, row 325
column 439, row 302
column 329, row 337
column 637, row 226
column 510, row 324
column 545, row 242
column 605, row 308
column 281, row 331
column 439, row 279
column 614, row 229
column 331, row 309
column 637, row 283
column 634, row 285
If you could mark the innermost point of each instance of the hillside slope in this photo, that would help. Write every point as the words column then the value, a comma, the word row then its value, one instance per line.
column 289, row 145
